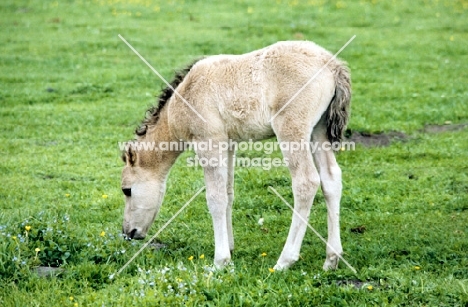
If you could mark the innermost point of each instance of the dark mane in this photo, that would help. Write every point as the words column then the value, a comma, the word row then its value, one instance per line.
column 152, row 114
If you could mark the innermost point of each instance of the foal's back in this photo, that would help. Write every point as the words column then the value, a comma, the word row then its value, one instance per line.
column 239, row 94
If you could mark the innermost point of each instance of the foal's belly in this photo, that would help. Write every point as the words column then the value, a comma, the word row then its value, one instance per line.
column 246, row 130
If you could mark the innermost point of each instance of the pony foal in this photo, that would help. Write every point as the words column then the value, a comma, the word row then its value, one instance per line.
column 255, row 96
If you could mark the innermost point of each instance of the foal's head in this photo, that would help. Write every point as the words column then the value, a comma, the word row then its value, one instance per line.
column 144, row 189
column 145, row 171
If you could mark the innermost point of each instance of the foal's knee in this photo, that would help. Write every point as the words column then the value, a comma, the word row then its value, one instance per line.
column 217, row 204
column 230, row 196
column 331, row 181
column 307, row 187
column 334, row 172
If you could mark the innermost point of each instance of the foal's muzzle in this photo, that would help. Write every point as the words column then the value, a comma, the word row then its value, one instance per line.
column 132, row 235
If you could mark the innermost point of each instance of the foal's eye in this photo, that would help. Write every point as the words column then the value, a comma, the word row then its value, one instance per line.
column 127, row 191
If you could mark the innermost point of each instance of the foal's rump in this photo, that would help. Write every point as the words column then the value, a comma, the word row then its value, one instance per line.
column 311, row 83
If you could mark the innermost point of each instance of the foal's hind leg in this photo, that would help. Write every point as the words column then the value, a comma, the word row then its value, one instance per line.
column 305, row 182
column 330, row 176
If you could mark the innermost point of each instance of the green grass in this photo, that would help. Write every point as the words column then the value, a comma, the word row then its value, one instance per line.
column 71, row 90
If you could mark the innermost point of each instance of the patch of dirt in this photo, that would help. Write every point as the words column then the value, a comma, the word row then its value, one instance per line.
column 399, row 254
column 369, row 139
column 444, row 128
column 358, row 229
column 157, row 246
column 375, row 139
column 353, row 282
column 45, row 271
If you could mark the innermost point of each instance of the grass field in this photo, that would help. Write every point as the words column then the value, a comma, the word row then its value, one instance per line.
column 71, row 90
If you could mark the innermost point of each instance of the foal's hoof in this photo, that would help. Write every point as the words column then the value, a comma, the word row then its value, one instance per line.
column 331, row 263
column 222, row 263
column 283, row 265
column 278, row 267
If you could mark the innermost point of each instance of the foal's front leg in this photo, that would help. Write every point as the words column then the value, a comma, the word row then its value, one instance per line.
column 216, row 174
column 230, row 194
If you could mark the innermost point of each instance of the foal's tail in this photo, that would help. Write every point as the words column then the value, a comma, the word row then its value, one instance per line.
column 337, row 114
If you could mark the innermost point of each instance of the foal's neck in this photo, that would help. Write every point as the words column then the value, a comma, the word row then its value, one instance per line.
column 162, row 159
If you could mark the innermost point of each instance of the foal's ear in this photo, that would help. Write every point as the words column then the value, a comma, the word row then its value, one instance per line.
column 129, row 156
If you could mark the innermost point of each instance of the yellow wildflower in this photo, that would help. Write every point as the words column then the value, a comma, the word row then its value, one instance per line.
column 370, row 288
column 67, row 195
column 417, row 267
column 27, row 227
column 103, row 233
column 202, row 256
column 71, row 298
column 190, row 258
column 104, row 196
column 263, row 254
column 271, row 270
column 37, row 249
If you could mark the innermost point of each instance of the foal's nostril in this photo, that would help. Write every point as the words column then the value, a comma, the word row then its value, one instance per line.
column 132, row 233
column 127, row 191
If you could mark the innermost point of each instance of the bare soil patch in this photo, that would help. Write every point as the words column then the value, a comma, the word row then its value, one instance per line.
column 358, row 284
column 44, row 271
column 382, row 139
column 369, row 139
column 444, row 128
